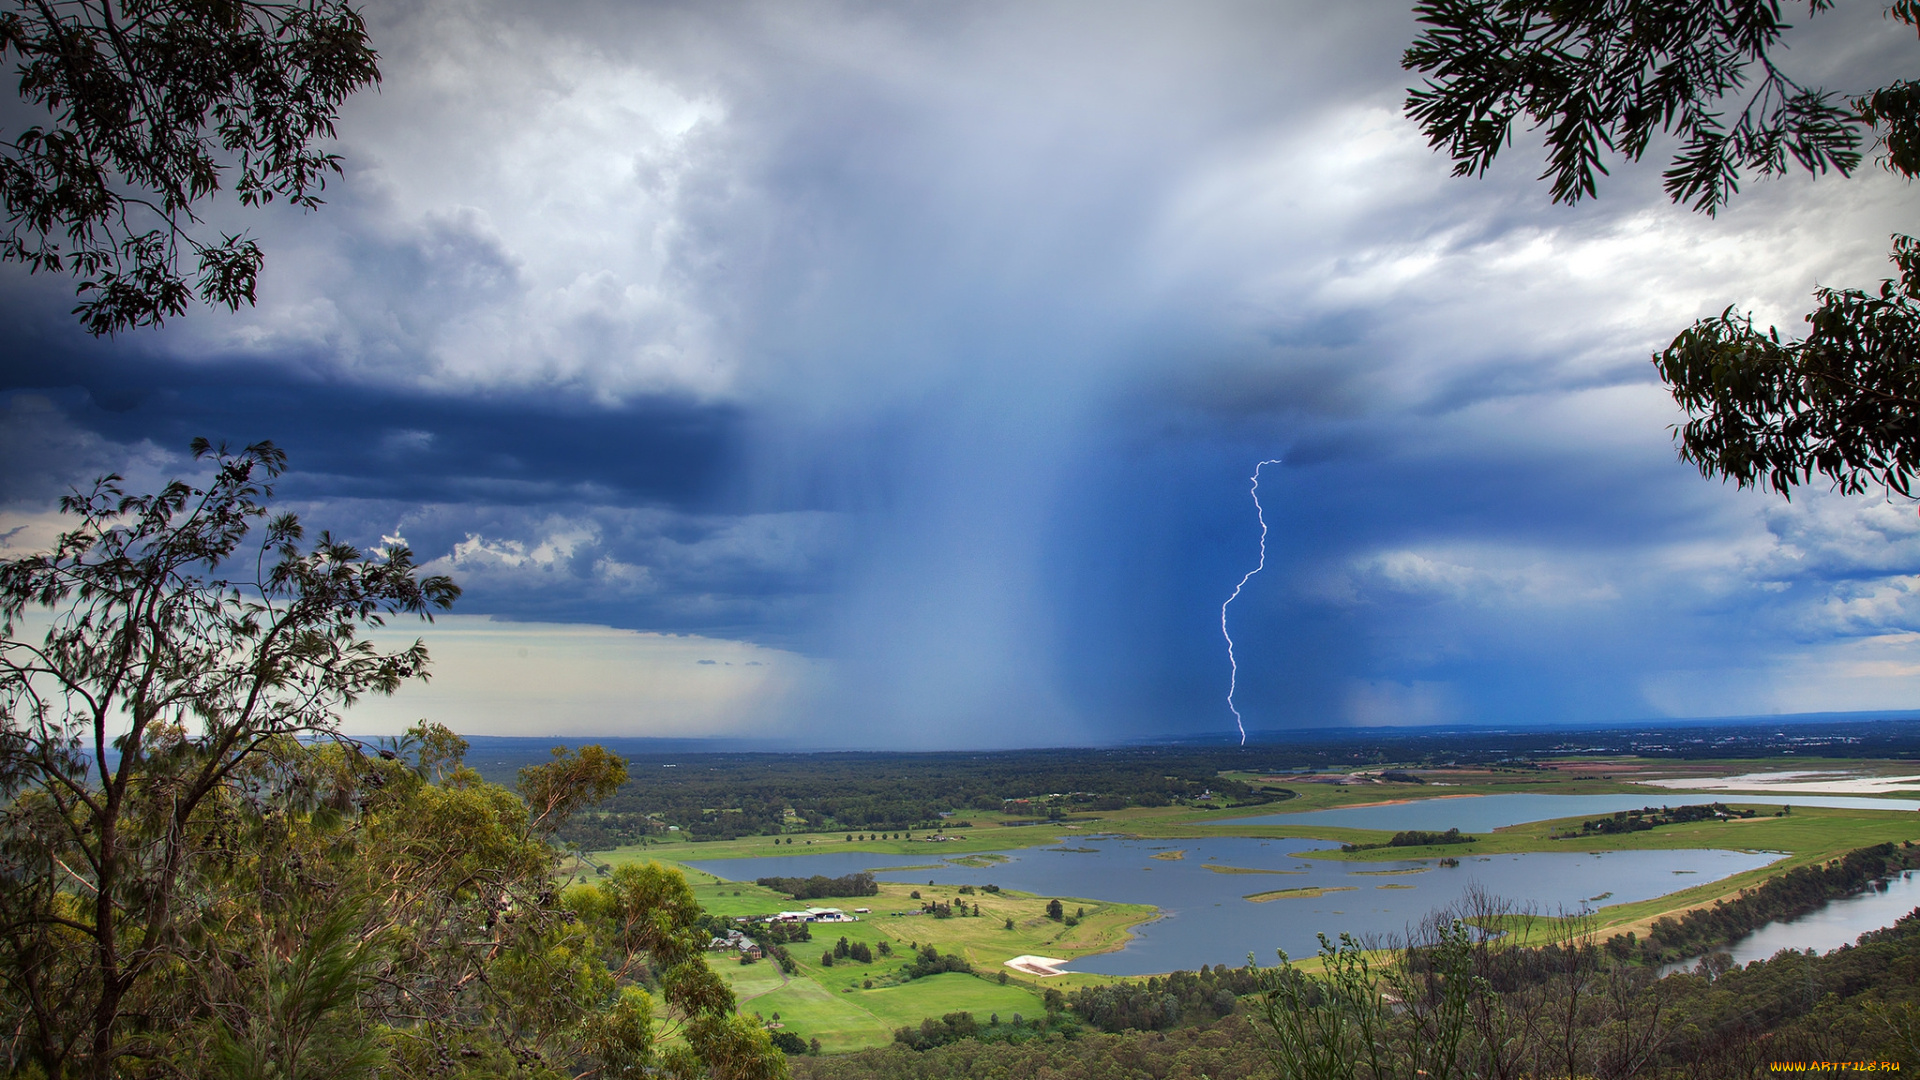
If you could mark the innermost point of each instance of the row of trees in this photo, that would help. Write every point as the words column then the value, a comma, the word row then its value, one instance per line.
column 199, row 876
column 821, row 887
column 1648, row 818
column 1416, row 838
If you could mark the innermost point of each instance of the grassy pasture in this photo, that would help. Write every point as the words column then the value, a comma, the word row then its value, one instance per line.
column 849, row 1005
column 835, row 1003
column 850, row 1018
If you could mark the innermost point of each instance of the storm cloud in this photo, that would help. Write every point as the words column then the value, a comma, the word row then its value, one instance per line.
column 927, row 350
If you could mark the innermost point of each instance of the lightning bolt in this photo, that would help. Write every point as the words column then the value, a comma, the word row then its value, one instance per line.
column 1233, row 677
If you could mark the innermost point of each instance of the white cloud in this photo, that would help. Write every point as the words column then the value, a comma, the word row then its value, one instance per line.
column 1491, row 577
column 633, row 552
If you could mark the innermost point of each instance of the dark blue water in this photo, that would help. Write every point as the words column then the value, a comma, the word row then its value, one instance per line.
column 1471, row 813
column 1207, row 920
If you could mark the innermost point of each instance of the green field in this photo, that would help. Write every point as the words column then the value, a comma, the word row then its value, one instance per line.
column 849, row 1018
column 850, row 1005
column 838, row 1006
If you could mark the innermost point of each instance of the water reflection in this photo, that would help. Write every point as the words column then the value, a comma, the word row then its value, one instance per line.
column 1209, row 920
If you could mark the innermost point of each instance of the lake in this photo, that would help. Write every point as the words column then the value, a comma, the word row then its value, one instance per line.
column 1481, row 813
column 1207, row 919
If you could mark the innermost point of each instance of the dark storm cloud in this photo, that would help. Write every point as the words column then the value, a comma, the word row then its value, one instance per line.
column 937, row 343
column 351, row 440
column 624, row 517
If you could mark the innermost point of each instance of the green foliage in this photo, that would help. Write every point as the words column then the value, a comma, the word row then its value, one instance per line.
column 1051, row 1048
column 1843, row 402
column 1121, row 1006
column 573, row 779
column 950, row 1028
column 789, row 1043
column 148, row 110
column 134, row 725
column 1894, row 111
column 299, row 1016
column 422, row 929
column 621, row 1036
column 1609, row 76
column 1182, row 998
column 1330, row 1026
column 962, row 1027
column 930, row 961
column 438, row 752
column 729, row 1047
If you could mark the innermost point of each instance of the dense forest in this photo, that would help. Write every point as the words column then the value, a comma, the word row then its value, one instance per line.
column 724, row 795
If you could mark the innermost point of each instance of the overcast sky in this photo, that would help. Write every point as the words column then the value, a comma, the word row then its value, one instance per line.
column 893, row 375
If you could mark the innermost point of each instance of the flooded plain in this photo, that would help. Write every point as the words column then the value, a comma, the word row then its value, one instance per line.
column 1224, row 897
column 1229, row 896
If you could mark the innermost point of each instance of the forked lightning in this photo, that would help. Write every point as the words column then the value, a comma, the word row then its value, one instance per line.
column 1233, row 676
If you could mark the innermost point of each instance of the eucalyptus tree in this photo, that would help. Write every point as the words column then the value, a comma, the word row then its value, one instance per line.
column 175, row 652
column 401, row 912
column 1613, row 77
column 200, row 875
column 140, row 112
